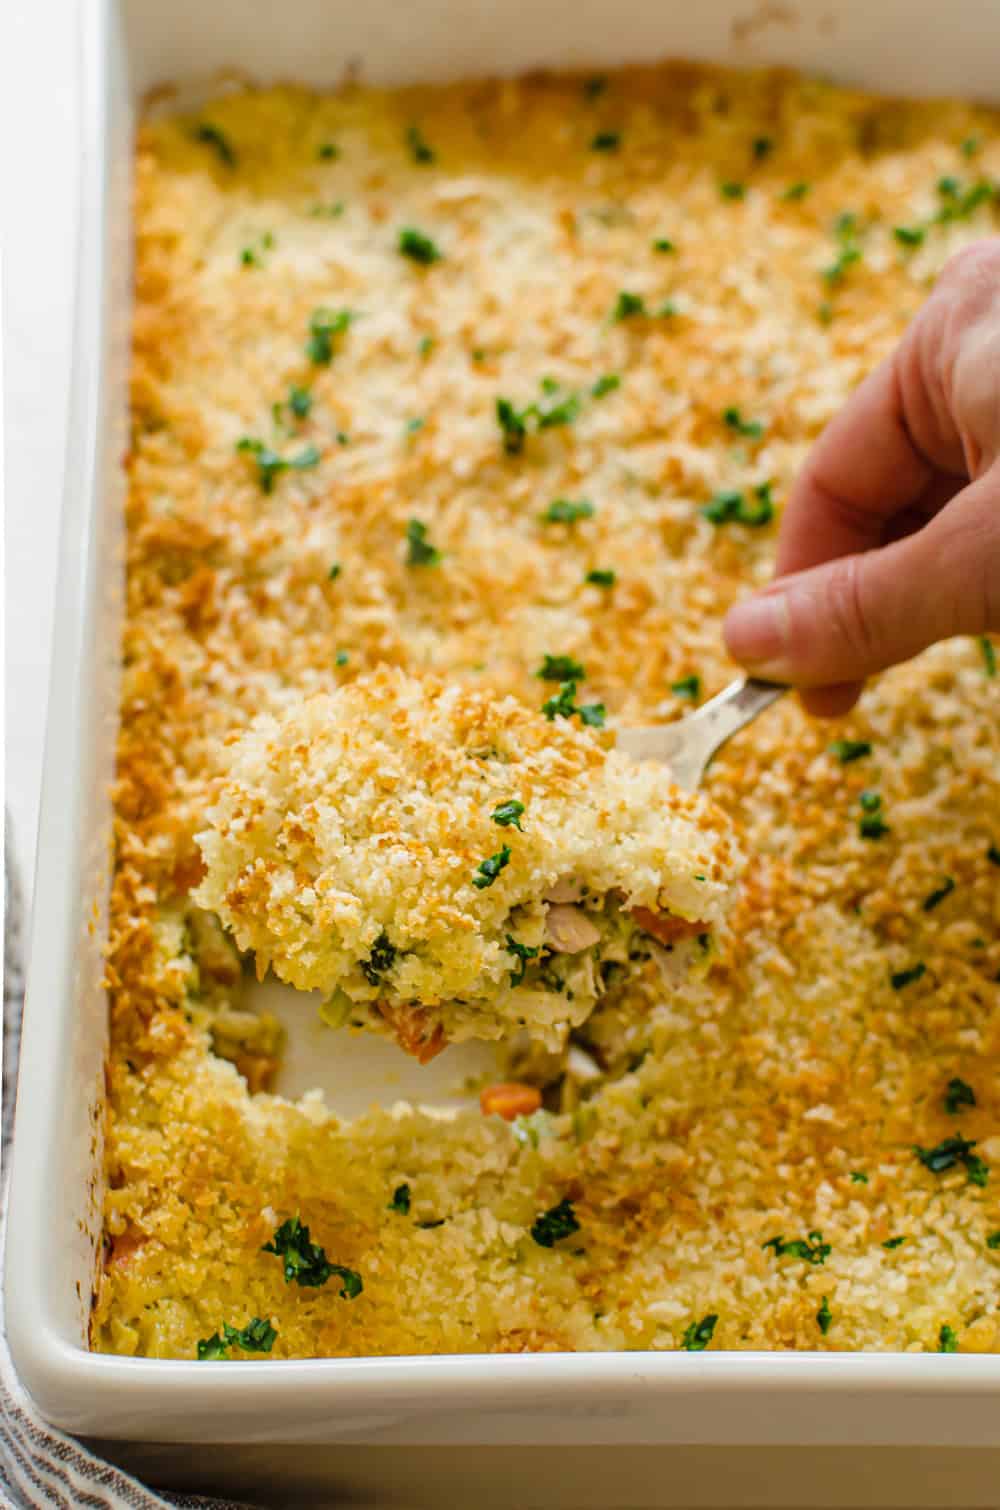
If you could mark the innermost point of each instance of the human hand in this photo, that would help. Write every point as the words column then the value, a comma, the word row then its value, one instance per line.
column 890, row 539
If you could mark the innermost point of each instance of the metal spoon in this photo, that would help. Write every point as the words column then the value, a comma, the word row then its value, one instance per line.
column 690, row 745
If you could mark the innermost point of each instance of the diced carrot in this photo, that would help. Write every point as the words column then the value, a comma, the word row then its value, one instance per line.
column 509, row 1100
column 413, row 1030
column 258, row 1070
column 124, row 1245
column 664, row 926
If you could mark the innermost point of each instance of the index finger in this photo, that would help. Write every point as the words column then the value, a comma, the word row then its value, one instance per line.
column 865, row 468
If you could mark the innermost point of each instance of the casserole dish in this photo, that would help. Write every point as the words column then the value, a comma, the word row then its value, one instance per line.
column 54, row 1223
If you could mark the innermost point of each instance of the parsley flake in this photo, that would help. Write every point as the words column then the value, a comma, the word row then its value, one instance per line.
column 938, row 894
column 555, row 1224
column 988, row 651
column 325, row 325
column 847, row 750
column 894, row 1242
column 900, row 978
column 606, row 141
column 812, row 1248
column 699, row 1334
column 909, row 235
column 212, row 136
column 600, row 577
column 663, row 244
column 568, row 511
column 562, row 705
column 560, row 668
column 381, row 959
column 795, row 192
column 993, row 1240
column 488, row 870
column 334, row 572
column 951, row 1152
column 824, row 1316
column 258, row 1336
column 605, row 384
column 327, row 152
column 419, row 149
column 509, row 814
column 419, row 550
column 418, row 247
column 400, row 1200
column 731, row 190
column 947, row 1340
column 270, row 464
column 858, row 1177
column 688, row 686
column 993, row 854
column 523, row 953
column 306, row 1263
column 752, row 428
column 628, row 305
column 958, row 1094
column 300, row 402
column 731, row 507
column 761, row 147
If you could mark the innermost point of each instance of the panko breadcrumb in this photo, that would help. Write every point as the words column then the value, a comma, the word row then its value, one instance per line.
column 445, row 864
column 664, row 282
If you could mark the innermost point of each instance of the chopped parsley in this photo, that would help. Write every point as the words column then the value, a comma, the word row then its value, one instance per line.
column 555, row 1224
column 513, row 423
column 970, row 146
column 522, row 952
column 824, row 1316
column 731, row 507
column 327, row 152
column 688, row 686
column 947, row 1340
column 627, row 305
column 951, row 1152
column 601, row 577
column 341, row 658
column 419, row 149
column 331, row 211
column 699, row 1334
column 381, row 959
column 762, row 147
column 488, row 870
column 812, row 1248
column 958, row 202
column 938, row 894
column 871, row 824
column 568, row 511
column 300, row 402
column 993, row 1239
column 858, row 1177
column 847, row 750
column 258, row 1336
column 425, row 346
column 752, row 428
column 606, row 141
column 400, row 1200
column 958, row 1094
column 606, row 383
column 560, row 668
column 553, row 408
column 993, row 854
column 325, row 325
column 306, row 1263
column 894, row 1242
column 509, row 814
column 270, row 464
column 909, row 235
column 988, row 651
column 334, row 572
column 663, row 244
column 731, row 190
column 418, row 247
column 419, row 550
column 900, row 978
column 563, row 705
column 796, row 191
column 211, row 136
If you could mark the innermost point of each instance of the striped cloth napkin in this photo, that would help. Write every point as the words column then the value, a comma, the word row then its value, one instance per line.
column 40, row 1466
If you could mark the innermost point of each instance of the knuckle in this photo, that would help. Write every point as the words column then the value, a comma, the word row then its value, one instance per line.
column 852, row 620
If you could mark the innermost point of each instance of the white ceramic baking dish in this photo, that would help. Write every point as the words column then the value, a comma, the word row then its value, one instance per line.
column 647, row 1398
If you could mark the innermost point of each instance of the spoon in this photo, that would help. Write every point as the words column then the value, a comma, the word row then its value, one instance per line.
column 690, row 745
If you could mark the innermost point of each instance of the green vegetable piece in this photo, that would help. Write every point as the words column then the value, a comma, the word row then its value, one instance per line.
column 599, row 577
column 400, row 1200
column 211, row 1349
column 555, row 1224
column 300, row 402
column 270, row 464
column 419, row 550
column 699, row 1334
column 327, row 152
column 509, row 814
column 628, row 305
column 560, row 668
column 419, row 150
column 325, row 326
column 688, row 686
column 605, row 385
column 334, row 571
column 993, row 1240
column 858, row 1177
column 418, row 247
column 909, row 235
column 306, row 1263
column 824, row 1316
column 488, row 870
column 663, row 244
column 568, row 511
column 212, row 136
column 847, row 750
column 812, row 1248
column 752, row 428
column 989, row 654
column 523, row 953
column 761, row 147
column 947, row 1340
column 951, row 1152
column 731, row 190
column 993, row 854
column 900, row 978
column 606, row 141
column 380, row 960
column 795, row 192
column 957, row 1095
column 938, row 894
column 894, row 1242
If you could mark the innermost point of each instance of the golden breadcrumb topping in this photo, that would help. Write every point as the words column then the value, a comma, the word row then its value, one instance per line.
column 441, row 859
column 453, row 380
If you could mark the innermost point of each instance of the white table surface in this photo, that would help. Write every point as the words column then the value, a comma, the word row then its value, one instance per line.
column 37, row 220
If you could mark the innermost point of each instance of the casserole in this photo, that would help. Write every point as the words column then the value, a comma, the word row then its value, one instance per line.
column 624, row 1398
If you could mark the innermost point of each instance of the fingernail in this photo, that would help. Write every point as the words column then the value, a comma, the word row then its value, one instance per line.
column 757, row 633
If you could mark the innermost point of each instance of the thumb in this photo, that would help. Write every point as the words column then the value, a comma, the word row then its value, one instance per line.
column 840, row 622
